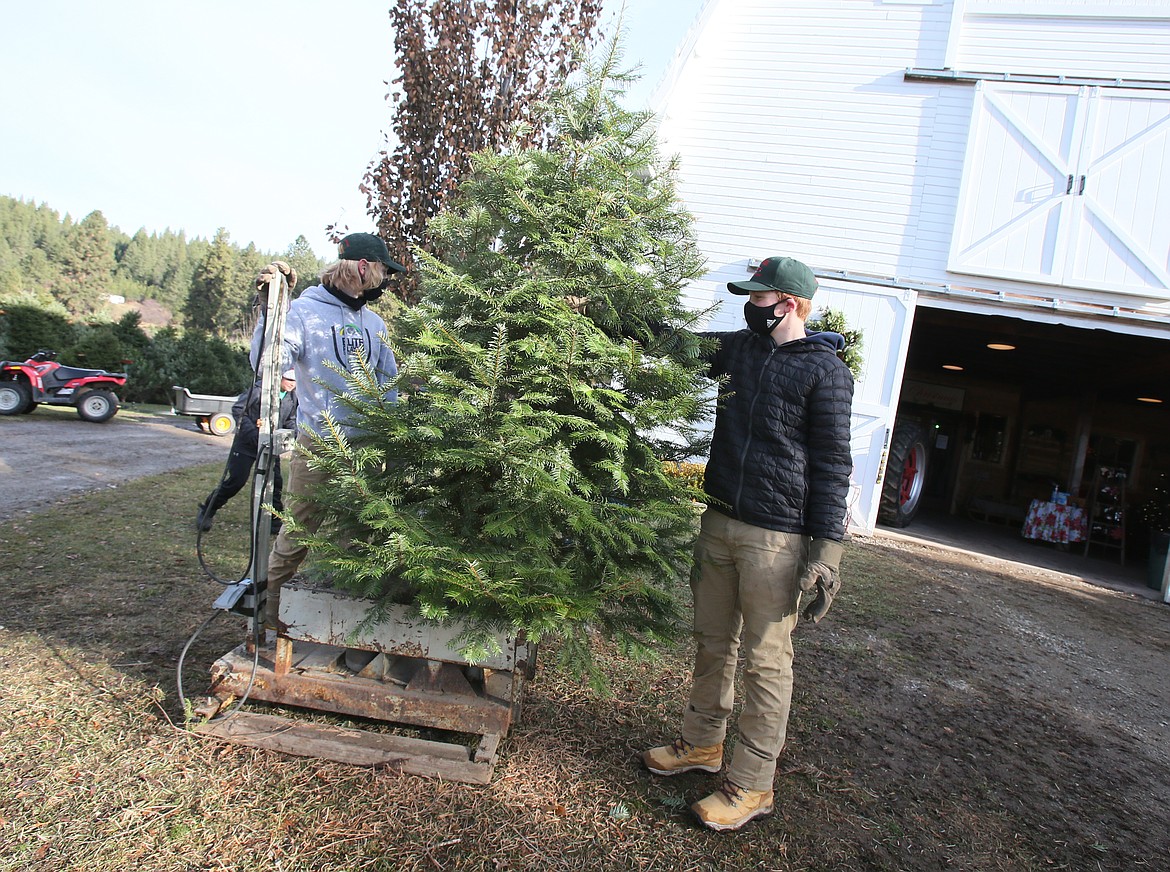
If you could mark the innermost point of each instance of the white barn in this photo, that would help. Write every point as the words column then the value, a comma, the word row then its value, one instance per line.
column 960, row 174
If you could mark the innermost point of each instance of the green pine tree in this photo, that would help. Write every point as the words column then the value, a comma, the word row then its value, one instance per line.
column 181, row 259
column 213, row 286
column 142, row 261
column 834, row 322
column 518, row 484
column 88, row 266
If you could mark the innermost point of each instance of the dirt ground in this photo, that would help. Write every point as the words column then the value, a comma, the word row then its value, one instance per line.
column 51, row 452
column 1044, row 698
column 949, row 713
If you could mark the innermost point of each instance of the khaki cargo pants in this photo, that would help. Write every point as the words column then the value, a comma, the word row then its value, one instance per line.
column 746, row 594
column 288, row 554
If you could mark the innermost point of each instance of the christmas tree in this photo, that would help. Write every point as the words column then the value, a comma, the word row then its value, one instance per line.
column 1154, row 513
column 518, row 482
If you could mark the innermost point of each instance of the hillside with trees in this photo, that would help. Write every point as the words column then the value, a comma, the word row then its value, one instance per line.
column 50, row 259
column 168, row 309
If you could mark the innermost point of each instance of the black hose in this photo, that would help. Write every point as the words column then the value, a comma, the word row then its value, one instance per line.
column 251, row 681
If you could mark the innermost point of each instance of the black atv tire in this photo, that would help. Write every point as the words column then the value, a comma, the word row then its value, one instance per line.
column 30, row 407
column 97, row 405
column 15, row 398
column 905, row 475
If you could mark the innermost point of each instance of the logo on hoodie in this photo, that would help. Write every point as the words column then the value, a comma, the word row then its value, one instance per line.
column 351, row 340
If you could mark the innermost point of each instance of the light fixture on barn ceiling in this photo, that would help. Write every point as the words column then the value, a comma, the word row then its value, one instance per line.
column 1148, row 400
column 1000, row 346
column 953, row 367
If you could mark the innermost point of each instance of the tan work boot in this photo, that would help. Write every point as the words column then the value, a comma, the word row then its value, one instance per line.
column 732, row 806
column 681, row 756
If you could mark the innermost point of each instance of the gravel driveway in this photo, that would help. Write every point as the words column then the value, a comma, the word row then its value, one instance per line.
column 51, row 453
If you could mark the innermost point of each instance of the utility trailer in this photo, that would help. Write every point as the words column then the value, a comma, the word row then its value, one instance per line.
column 214, row 413
column 402, row 672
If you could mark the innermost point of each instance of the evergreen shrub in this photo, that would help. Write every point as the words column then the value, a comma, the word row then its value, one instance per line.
column 27, row 328
column 515, row 485
column 205, row 364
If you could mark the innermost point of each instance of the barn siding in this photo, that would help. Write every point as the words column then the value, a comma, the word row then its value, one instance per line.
column 798, row 132
column 1121, row 38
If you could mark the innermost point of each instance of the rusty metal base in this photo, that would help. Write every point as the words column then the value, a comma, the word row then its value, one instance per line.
column 374, row 685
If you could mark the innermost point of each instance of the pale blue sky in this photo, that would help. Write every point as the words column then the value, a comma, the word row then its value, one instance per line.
column 167, row 114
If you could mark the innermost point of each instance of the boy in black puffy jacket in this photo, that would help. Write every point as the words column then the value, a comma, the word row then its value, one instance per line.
column 777, row 481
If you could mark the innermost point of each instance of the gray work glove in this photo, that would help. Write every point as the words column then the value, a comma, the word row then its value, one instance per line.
column 820, row 578
column 277, row 267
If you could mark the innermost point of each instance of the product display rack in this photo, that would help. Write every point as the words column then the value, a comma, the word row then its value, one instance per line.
column 1107, row 511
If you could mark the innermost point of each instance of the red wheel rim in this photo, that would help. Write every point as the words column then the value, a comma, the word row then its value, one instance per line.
column 909, row 474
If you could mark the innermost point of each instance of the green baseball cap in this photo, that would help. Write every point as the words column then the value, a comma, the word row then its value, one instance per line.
column 781, row 274
column 367, row 246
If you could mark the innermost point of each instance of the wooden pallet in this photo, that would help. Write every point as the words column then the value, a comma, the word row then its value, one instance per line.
column 402, row 673
column 358, row 747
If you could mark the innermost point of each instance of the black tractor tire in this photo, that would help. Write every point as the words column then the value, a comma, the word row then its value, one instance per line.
column 15, row 398
column 97, row 405
column 30, row 407
column 905, row 474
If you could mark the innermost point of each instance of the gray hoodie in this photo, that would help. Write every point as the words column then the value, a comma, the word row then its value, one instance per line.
column 320, row 330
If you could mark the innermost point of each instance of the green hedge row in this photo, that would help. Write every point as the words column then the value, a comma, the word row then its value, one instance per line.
column 203, row 363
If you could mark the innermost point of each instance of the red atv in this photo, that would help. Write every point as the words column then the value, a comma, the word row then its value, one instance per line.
column 40, row 379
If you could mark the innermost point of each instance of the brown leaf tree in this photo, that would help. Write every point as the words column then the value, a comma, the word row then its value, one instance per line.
column 470, row 72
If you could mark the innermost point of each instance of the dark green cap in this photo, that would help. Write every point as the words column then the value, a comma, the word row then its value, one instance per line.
column 367, row 246
column 781, row 274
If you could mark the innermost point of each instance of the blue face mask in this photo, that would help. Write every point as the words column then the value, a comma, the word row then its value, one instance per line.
column 761, row 319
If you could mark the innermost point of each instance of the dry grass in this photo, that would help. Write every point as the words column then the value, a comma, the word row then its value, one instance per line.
column 100, row 595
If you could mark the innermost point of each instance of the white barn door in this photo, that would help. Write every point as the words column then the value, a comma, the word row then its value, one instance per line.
column 1122, row 229
column 1018, row 177
column 1066, row 186
column 885, row 317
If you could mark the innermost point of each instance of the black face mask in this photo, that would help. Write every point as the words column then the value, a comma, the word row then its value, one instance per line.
column 761, row 319
column 375, row 293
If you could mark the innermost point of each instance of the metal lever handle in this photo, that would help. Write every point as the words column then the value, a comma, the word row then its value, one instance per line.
column 1081, row 189
column 1068, row 190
